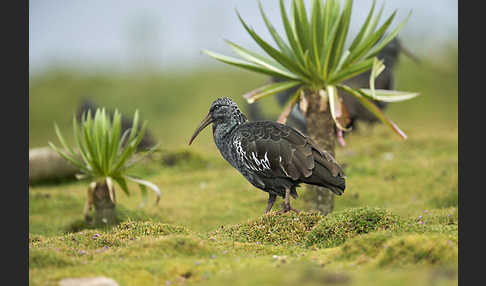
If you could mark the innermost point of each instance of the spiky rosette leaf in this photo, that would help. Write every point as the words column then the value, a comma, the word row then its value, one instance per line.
column 103, row 152
column 314, row 54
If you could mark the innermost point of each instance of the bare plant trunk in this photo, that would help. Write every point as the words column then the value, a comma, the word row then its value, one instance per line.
column 99, row 197
column 320, row 127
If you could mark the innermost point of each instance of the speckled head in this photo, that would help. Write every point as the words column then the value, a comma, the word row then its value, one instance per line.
column 222, row 101
column 222, row 111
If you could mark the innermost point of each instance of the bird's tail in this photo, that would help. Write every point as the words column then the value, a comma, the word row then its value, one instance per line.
column 337, row 190
column 321, row 176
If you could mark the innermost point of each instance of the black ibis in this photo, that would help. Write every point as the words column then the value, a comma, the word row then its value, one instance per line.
column 148, row 141
column 273, row 157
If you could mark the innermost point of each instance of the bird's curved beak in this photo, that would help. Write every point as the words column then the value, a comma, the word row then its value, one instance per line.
column 206, row 121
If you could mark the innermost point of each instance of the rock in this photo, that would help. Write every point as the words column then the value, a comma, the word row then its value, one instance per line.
column 45, row 164
column 89, row 281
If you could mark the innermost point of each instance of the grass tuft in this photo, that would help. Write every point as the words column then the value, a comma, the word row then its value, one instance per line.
column 274, row 228
column 338, row 227
column 133, row 229
column 120, row 235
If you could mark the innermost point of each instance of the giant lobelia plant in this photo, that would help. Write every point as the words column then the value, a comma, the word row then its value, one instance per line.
column 317, row 57
column 104, row 156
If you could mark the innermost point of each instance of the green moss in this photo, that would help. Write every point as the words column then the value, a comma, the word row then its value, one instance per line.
column 300, row 273
column 168, row 246
column 274, row 228
column 363, row 246
column 338, row 227
column 385, row 248
column 117, row 236
column 41, row 258
column 146, row 228
column 307, row 274
column 419, row 249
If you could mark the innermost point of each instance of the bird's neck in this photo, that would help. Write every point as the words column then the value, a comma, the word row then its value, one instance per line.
column 224, row 128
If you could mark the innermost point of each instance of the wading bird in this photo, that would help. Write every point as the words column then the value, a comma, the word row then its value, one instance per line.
column 273, row 157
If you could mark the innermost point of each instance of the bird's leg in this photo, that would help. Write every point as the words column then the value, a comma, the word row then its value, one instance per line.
column 287, row 206
column 271, row 201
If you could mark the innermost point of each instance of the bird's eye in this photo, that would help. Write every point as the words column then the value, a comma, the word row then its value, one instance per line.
column 217, row 106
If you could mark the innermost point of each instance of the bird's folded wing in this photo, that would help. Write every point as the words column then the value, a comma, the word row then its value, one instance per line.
column 277, row 150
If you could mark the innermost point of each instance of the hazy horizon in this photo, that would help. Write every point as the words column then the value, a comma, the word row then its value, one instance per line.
column 171, row 34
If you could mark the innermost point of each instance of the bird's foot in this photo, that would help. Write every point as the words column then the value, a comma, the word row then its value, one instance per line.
column 294, row 210
column 286, row 205
column 287, row 209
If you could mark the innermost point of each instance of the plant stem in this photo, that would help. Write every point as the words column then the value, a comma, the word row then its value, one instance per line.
column 104, row 207
column 320, row 127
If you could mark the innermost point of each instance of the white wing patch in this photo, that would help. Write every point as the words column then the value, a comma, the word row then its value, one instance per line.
column 253, row 163
column 263, row 163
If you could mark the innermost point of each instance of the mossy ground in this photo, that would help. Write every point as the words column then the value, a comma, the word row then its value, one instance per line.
column 396, row 224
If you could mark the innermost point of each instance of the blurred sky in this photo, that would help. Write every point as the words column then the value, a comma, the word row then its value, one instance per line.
column 125, row 35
